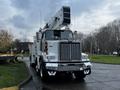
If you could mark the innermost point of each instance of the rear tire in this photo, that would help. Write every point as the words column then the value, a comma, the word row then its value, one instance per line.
column 32, row 64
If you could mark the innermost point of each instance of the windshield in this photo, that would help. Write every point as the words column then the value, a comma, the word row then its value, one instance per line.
column 58, row 35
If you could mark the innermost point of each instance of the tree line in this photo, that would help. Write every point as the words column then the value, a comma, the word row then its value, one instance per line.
column 105, row 40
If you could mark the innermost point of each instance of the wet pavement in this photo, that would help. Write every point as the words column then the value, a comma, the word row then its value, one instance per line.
column 103, row 77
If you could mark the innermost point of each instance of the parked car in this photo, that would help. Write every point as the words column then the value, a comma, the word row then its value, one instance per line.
column 115, row 53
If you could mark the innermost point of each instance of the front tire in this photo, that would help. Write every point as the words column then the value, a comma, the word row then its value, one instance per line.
column 43, row 73
column 79, row 75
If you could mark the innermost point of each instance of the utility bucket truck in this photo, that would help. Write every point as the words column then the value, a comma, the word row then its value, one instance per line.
column 54, row 49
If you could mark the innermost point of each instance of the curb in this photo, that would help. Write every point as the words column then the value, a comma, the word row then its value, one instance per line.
column 10, row 88
column 26, row 80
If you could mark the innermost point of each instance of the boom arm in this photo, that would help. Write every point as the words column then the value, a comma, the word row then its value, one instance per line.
column 61, row 19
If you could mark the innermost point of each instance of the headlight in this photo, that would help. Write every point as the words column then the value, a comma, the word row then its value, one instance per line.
column 51, row 65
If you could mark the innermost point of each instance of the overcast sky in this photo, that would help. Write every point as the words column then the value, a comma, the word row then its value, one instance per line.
column 24, row 17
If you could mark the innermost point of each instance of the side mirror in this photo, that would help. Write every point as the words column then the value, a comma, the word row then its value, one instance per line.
column 38, row 36
column 75, row 35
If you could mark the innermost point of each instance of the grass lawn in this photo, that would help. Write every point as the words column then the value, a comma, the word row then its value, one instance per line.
column 105, row 59
column 12, row 74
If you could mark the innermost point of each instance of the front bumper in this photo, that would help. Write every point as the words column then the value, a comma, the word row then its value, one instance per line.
column 54, row 66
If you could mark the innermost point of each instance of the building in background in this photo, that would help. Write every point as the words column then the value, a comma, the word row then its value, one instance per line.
column 22, row 47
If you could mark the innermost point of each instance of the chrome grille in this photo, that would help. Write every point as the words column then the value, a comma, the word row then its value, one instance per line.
column 70, row 51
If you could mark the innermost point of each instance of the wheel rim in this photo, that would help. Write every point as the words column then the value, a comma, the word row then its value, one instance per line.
column 36, row 69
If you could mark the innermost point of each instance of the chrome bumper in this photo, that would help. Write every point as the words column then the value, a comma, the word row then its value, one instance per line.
column 65, row 66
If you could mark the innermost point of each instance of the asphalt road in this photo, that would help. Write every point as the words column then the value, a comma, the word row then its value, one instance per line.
column 103, row 77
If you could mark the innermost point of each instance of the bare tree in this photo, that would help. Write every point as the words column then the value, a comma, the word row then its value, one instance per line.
column 6, row 39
